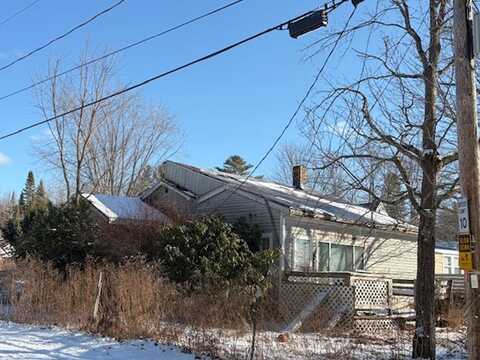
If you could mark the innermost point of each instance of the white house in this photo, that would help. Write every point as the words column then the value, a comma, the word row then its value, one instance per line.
column 314, row 234
column 446, row 258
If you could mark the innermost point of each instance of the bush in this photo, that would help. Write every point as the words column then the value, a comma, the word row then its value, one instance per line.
column 202, row 253
column 59, row 234
column 252, row 234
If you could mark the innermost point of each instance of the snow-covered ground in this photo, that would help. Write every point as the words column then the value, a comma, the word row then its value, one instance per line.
column 35, row 342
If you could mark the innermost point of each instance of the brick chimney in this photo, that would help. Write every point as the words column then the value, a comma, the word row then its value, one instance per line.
column 299, row 176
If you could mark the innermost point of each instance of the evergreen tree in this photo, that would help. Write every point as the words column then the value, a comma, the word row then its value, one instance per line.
column 40, row 201
column 27, row 196
column 392, row 193
column 235, row 164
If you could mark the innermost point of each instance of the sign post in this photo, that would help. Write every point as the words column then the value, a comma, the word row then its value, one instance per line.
column 463, row 217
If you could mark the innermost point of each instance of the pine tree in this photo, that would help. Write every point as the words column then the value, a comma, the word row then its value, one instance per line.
column 27, row 196
column 40, row 201
column 235, row 164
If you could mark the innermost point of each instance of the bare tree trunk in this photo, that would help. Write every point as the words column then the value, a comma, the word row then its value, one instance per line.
column 424, row 338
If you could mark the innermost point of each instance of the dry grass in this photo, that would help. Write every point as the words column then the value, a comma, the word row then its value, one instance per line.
column 456, row 316
column 135, row 300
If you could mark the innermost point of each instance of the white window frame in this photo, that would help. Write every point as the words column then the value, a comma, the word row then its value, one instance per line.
column 453, row 256
column 316, row 243
column 450, row 269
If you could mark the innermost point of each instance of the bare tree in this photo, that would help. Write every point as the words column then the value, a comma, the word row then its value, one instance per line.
column 328, row 183
column 104, row 147
column 399, row 116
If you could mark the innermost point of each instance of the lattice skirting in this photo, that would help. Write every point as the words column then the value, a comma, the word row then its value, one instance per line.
column 343, row 301
column 337, row 306
column 371, row 294
column 375, row 325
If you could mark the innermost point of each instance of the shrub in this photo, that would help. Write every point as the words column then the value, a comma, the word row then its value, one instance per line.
column 202, row 253
column 59, row 234
column 250, row 233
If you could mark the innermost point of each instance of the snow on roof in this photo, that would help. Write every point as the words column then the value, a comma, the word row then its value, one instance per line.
column 304, row 200
column 124, row 208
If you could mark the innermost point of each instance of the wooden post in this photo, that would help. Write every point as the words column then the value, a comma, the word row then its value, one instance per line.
column 468, row 152
column 97, row 300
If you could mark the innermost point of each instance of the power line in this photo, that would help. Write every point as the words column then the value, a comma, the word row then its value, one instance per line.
column 343, row 166
column 312, row 142
column 14, row 15
column 75, row 28
column 156, row 77
column 129, row 46
column 295, row 113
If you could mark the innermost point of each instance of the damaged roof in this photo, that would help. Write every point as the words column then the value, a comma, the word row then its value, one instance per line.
column 303, row 202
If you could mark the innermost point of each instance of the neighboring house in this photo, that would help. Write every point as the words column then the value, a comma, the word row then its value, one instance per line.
column 123, row 209
column 446, row 258
column 314, row 234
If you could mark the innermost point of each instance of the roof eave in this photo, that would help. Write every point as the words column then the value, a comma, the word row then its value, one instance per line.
column 322, row 216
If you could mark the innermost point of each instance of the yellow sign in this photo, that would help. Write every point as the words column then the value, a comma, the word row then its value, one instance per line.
column 464, row 242
column 465, row 261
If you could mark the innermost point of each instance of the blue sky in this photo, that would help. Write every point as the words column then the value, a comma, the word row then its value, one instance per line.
column 236, row 103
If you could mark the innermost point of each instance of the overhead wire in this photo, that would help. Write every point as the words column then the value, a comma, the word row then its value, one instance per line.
column 156, row 77
column 60, row 37
column 122, row 49
column 294, row 114
column 341, row 164
column 15, row 14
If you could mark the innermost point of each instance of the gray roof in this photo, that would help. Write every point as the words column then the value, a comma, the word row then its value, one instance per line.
column 306, row 202
column 124, row 208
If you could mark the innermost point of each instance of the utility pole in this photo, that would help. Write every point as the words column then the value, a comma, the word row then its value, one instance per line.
column 468, row 156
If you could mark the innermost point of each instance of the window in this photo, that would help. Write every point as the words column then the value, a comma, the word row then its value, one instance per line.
column 450, row 264
column 303, row 255
column 359, row 257
column 323, row 256
column 341, row 258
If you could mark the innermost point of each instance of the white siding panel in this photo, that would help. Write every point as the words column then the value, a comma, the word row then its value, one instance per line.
column 234, row 207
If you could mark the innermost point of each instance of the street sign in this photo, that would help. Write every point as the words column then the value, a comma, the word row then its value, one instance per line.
column 463, row 216
column 465, row 261
column 464, row 242
column 465, row 252
column 474, row 280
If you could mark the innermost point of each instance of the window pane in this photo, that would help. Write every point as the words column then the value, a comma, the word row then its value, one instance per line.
column 359, row 258
column 314, row 256
column 302, row 254
column 448, row 260
column 342, row 258
column 323, row 257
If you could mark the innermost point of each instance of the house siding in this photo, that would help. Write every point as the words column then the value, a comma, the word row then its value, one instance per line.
column 438, row 263
column 171, row 202
column 388, row 253
column 235, row 206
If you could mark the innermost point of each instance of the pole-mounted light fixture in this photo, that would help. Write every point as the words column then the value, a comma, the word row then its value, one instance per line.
column 308, row 23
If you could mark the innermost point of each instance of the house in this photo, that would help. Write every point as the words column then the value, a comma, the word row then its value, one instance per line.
column 122, row 209
column 446, row 258
column 314, row 234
